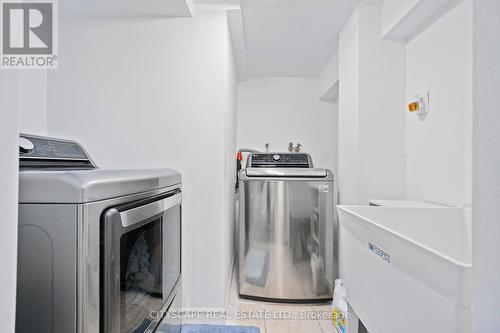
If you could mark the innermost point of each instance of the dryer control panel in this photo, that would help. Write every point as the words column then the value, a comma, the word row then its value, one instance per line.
column 279, row 160
column 44, row 152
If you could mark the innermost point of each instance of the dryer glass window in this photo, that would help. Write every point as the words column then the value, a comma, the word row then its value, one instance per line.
column 141, row 288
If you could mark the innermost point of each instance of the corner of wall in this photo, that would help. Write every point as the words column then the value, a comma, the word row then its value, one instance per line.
column 9, row 179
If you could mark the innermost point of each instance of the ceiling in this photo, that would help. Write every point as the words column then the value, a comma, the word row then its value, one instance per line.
column 272, row 38
column 285, row 38
column 125, row 7
column 289, row 38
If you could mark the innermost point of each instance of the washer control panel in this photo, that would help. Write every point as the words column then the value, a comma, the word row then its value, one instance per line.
column 280, row 160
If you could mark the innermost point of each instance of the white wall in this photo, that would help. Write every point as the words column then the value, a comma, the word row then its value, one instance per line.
column 382, row 129
column 329, row 79
column 439, row 152
column 9, row 113
column 393, row 13
column 486, row 208
column 348, row 138
column 404, row 19
column 371, row 119
column 158, row 92
column 33, row 102
column 385, row 151
column 283, row 110
column 229, row 116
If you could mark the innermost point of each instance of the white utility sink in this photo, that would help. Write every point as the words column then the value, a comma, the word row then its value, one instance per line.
column 407, row 269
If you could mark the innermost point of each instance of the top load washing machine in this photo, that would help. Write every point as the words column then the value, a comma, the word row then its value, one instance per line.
column 286, row 229
column 99, row 250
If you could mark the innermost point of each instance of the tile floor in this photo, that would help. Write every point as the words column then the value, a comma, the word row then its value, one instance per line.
column 271, row 317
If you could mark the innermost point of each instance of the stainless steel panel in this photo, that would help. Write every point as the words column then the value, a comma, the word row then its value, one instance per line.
column 171, row 248
column 286, row 235
column 85, row 186
column 46, row 284
column 139, row 214
column 171, row 322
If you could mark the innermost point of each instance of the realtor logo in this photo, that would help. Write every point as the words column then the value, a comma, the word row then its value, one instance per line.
column 29, row 34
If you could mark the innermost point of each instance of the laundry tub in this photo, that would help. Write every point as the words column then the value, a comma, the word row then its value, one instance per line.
column 407, row 269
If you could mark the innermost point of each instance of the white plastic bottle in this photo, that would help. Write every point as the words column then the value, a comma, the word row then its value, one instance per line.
column 340, row 310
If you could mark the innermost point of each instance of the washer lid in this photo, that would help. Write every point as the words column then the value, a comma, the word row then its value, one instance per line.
column 81, row 186
column 287, row 172
column 405, row 203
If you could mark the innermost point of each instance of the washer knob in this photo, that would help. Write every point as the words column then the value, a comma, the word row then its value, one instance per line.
column 276, row 157
column 25, row 146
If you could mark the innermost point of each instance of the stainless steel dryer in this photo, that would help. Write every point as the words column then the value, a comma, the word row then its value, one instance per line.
column 286, row 229
column 99, row 250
